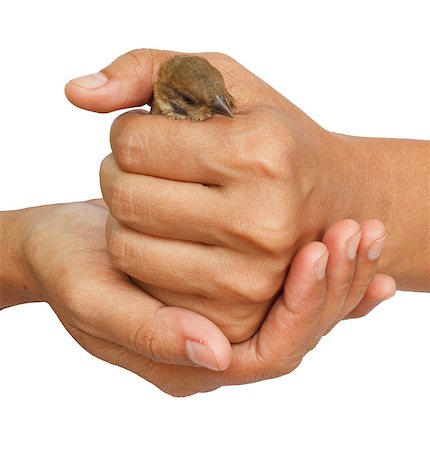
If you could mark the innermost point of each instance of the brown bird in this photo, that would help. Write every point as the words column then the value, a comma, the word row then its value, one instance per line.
column 188, row 87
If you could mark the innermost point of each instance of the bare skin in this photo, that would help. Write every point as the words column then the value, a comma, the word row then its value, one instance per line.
column 252, row 190
column 58, row 254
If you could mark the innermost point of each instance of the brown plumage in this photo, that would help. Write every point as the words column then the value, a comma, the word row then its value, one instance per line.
column 188, row 87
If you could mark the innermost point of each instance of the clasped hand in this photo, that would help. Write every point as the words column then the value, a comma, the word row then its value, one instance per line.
column 208, row 218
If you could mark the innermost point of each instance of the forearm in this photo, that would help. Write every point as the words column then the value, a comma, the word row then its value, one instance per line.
column 16, row 282
column 390, row 180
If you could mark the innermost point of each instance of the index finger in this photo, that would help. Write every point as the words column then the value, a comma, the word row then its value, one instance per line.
column 177, row 150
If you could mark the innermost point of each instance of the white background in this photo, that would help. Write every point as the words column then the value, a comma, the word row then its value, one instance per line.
column 355, row 67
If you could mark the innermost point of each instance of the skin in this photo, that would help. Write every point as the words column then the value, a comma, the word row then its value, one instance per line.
column 222, row 206
column 58, row 254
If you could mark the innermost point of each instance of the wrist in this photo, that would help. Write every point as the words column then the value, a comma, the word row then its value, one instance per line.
column 388, row 180
column 17, row 283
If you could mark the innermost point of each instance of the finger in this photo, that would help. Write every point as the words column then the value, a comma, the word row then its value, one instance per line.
column 127, row 316
column 371, row 244
column 292, row 321
column 238, row 320
column 188, row 151
column 381, row 288
column 342, row 240
column 176, row 380
column 128, row 81
column 182, row 266
column 214, row 152
column 148, row 204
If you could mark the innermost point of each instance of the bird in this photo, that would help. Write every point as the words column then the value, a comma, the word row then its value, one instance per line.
column 189, row 87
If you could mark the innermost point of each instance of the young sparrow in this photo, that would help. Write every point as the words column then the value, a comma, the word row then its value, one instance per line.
column 188, row 87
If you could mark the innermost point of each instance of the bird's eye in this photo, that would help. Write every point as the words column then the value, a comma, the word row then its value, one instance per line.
column 188, row 100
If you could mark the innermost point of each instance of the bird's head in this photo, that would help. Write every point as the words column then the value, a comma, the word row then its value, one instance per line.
column 188, row 87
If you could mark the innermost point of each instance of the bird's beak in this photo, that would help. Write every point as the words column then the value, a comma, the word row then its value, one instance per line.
column 222, row 106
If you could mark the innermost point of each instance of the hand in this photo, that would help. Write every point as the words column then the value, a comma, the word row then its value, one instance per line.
column 208, row 216
column 313, row 301
column 67, row 265
column 63, row 260
column 232, row 187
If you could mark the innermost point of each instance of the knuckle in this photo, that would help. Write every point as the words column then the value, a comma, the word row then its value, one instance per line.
column 250, row 286
column 304, row 307
column 341, row 288
column 265, row 230
column 217, row 57
column 106, row 176
column 125, row 140
column 117, row 133
column 288, row 365
column 122, row 201
column 265, row 150
column 145, row 338
column 262, row 289
column 137, row 53
column 272, row 366
column 243, row 321
column 360, row 287
column 235, row 335
column 264, row 159
column 273, row 236
column 117, row 245
column 136, row 61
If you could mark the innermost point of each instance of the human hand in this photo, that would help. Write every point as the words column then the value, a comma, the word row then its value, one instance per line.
column 312, row 302
column 207, row 216
column 67, row 265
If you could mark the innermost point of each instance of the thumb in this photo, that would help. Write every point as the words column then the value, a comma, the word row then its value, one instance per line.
column 125, row 83
column 127, row 316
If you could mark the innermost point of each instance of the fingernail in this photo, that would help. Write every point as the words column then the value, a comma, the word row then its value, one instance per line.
column 375, row 248
column 201, row 355
column 321, row 267
column 352, row 246
column 92, row 81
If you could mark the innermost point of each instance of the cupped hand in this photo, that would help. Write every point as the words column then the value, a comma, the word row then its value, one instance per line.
column 66, row 253
column 114, row 320
column 208, row 215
